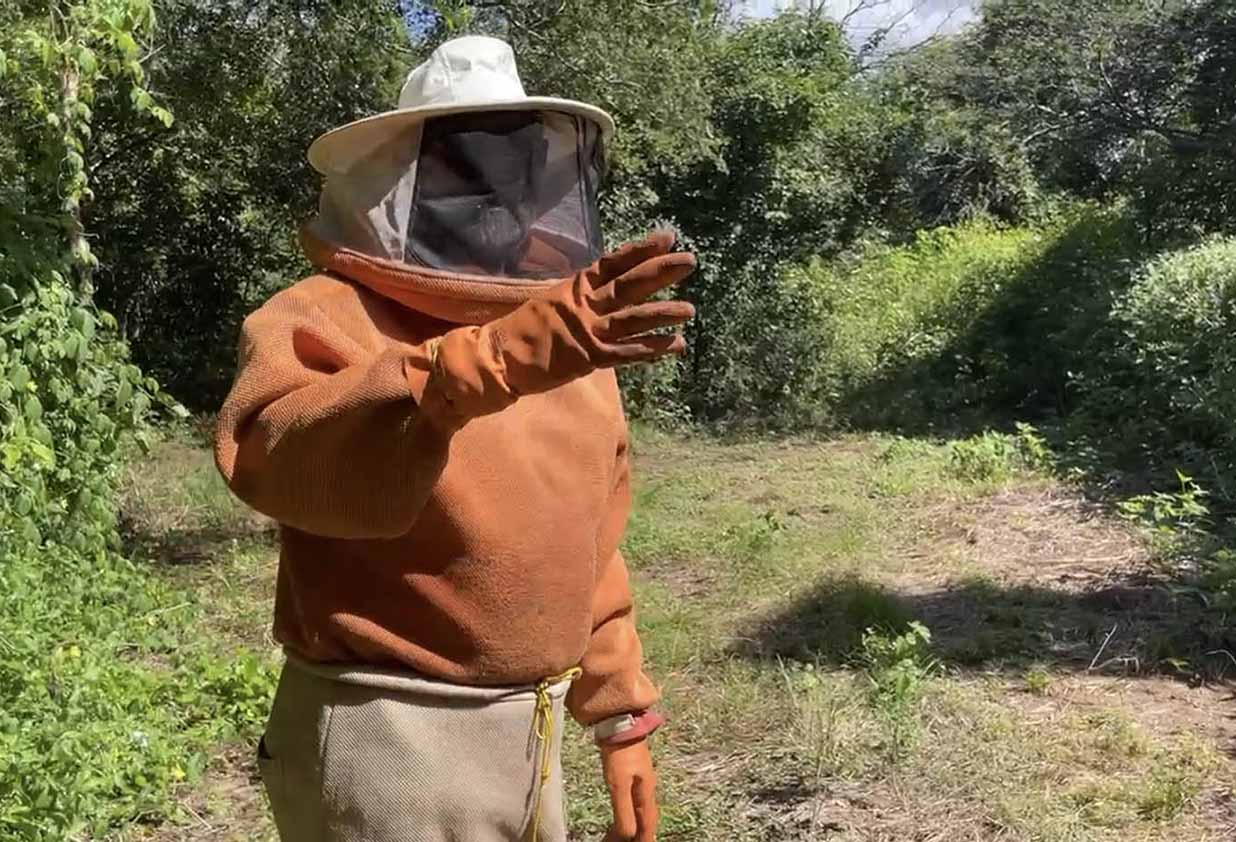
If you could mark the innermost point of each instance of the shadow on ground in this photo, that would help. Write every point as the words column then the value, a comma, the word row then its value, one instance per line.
column 1134, row 626
column 191, row 542
column 175, row 509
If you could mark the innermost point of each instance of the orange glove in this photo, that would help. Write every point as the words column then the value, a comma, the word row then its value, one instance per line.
column 599, row 318
column 632, row 783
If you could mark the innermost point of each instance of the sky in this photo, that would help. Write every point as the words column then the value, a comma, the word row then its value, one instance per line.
column 915, row 20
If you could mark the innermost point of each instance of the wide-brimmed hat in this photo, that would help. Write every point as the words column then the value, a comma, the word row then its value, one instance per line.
column 473, row 73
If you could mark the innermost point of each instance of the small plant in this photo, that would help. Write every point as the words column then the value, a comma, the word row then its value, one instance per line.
column 1171, row 513
column 898, row 666
column 996, row 457
column 754, row 539
column 1166, row 798
column 1035, row 454
column 1219, row 580
column 1038, row 682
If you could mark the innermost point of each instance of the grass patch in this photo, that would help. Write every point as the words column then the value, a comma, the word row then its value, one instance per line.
column 780, row 612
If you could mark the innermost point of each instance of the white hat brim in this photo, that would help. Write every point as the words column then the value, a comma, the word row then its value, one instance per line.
column 336, row 150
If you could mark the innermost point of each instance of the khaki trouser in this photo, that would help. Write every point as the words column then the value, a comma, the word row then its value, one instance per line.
column 362, row 755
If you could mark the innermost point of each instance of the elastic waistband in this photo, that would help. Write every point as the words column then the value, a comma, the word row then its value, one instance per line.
column 414, row 684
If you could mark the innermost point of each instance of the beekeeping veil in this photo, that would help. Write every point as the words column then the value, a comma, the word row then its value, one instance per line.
column 469, row 176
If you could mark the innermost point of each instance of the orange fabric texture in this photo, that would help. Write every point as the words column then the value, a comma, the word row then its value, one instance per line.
column 429, row 517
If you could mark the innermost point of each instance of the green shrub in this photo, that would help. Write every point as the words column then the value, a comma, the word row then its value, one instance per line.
column 898, row 667
column 1179, row 514
column 894, row 312
column 974, row 321
column 759, row 348
column 995, row 457
column 1177, row 357
column 103, row 703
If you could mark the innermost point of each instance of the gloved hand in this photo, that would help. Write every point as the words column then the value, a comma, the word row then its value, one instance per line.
column 632, row 783
column 597, row 319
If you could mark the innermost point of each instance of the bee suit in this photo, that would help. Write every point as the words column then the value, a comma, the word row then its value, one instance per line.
column 434, row 421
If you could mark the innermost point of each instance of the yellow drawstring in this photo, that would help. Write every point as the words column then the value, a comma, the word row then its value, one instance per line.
column 543, row 728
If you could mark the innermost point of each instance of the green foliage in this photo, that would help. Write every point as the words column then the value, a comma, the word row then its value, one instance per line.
column 1218, row 582
column 948, row 160
column 67, row 398
column 90, row 731
column 996, row 457
column 1170, row 513
column 1167, row 796
column 67, row 392
column 757, row 347
column 1101, row 98
column 789, row 181
column 1178, row 342
column 106, row 704
column 894, row 311
column 1038, row 682
column 972, row 324
column 898, row 666
column 198, row 221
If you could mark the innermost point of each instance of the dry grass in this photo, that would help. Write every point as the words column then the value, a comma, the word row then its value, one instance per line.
column 758, row 566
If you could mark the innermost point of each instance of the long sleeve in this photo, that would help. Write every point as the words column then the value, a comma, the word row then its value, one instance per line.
column 332, row 426
column 613, row 680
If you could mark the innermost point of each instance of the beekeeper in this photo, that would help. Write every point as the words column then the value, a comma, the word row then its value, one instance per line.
column 435, row 422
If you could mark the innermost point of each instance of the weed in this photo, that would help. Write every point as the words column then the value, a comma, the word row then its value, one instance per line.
column 1166, row 797
column 1171, row 514
column 997, row 457
column 754, row 538
column 898, row 666
column 1114, row 735
column 1038, row 682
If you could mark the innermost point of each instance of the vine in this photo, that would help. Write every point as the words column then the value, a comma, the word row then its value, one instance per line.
column 69, row 396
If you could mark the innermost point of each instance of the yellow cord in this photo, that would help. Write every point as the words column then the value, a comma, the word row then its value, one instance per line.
column 543, row 727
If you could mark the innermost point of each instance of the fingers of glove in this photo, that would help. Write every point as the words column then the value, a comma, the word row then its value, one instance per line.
column 643, row 318
column 622, row 797
column 643, row 281
column 629, row 256
column 641, row 349
column 647, row 814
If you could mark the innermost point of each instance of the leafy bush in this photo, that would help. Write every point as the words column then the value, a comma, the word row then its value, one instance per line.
column 67, row 397
column 1219, row 582
column 758, row 352
column 995, row 457
column 898, row 666
column 102, row 704
column 1176, row 358
column 67, row 392
column 894, row 313
column 974, row 323
column 107, row 703
column 1177, row 515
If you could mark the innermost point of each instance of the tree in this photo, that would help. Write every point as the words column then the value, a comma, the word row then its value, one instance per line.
column 1110, row 97
column 67, row 390
column 947, row 158
column 198, row 220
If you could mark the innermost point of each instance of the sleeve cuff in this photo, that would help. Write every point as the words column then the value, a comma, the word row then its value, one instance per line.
column 626, row 728
column 469, row 370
